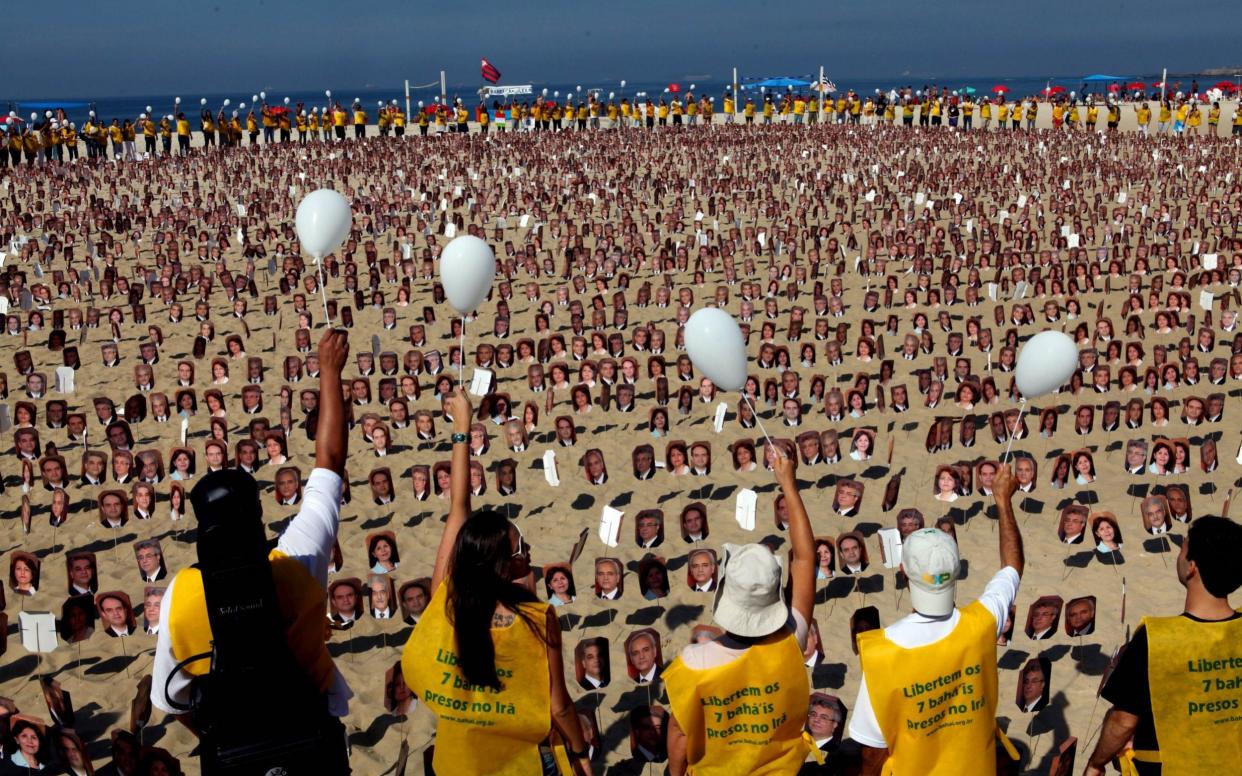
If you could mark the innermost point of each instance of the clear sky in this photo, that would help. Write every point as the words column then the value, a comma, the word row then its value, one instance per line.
column 85, row 48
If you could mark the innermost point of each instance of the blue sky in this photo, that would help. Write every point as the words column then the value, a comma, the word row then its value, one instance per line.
column 83, row 48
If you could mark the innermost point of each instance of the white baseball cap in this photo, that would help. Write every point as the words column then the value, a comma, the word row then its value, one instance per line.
column 749, row 600
column 930, row 560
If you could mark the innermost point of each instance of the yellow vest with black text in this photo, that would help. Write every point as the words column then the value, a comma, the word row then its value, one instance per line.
column 936, row 704
column 1194, row 670
column 746, row 716
column 481, row 730
column 301, row 600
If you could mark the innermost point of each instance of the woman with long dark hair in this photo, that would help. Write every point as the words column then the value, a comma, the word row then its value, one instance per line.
column 469, row 659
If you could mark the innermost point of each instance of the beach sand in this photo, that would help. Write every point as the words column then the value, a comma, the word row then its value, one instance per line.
column 102, row 673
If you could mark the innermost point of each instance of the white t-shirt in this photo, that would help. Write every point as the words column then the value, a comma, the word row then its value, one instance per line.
column 916, row 630
column 308, row 540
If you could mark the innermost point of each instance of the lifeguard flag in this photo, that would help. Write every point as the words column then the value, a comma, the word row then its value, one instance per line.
column 490, row 73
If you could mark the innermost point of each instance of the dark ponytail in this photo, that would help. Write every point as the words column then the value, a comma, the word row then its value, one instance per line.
column 479, row 579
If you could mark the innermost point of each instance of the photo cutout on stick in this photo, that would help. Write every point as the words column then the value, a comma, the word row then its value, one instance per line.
column 382, row 553
column 1178, row 497
column 694, row 523
column 648, row 725
column 643, row 656
column 825, row 720
column 847, row 497
column 558, row 582
column 1080, row 616
column 649, row 528
column 382, row 595
column 398, row 699
column 150, row 558
column 24, row 570
column 592, row 667
column 1155, row 512
column 1072, row 526
column 863, row 619
column 702, row 569
column 653, row 578
column 414, row 596
column 609, row 579
column 1043, row 616
column 1034, row 682
column 345, row 603
column 82, row 573
column 853, row 557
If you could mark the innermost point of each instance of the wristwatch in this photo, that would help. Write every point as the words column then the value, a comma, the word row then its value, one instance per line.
column 460, row 437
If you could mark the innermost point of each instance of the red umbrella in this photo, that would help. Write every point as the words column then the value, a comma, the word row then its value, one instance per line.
column 674, row 88
column 1137, row 86
column 1225, row 86
column 1049, row 90
column 999, row 89
column 10, row 120
column 1158, row 85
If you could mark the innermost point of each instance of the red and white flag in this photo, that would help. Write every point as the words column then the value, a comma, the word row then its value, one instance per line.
column 490, row 73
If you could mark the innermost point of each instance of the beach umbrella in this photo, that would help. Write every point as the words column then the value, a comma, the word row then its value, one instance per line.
column 1224, row 86
column 965, row 90
column 674, row 88
column 1000, row 89
column 1137, row 86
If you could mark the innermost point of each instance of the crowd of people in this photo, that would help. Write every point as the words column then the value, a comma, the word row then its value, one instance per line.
column 161, row 326
column 53, row 138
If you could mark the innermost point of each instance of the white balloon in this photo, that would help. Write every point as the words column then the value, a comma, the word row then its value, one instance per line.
column 254, row 98
column 327, row 93
column 286, row 101
column 323, row 221
column 1045, row 363
column 202, row 101
column 467, row 268
column 716, row 347
column 227, row 103
column 622, row 83
column 148, row 109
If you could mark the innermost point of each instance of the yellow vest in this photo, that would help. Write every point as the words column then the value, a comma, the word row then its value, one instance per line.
column 483, row 731
column 301, row 602
column 1195, row 674
column 936, row 704
column 746, row 716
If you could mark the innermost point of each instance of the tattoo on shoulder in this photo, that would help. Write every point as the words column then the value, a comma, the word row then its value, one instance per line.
column 502, row 620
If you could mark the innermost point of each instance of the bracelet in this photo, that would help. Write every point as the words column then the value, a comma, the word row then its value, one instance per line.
column 578, row 755
column 459, row 437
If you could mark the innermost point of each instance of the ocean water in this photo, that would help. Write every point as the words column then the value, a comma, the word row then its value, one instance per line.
column 78, row 106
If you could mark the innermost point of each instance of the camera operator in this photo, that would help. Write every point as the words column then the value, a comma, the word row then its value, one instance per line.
column 231, row 537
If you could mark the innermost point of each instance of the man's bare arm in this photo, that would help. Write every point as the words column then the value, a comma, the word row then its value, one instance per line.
column 331, row 436
column 1119, row 728
column 1003, row 489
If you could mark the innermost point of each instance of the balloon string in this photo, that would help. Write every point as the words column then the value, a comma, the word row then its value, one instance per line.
column 755, row 414
column 323, row 293
column 461, row 353
column 1013, row 431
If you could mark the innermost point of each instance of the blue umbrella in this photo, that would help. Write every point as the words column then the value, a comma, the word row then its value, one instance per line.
column 780, row 83
column 1104, row 78
column 50, row 105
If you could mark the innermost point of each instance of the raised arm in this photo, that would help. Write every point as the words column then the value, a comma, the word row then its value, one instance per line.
column 802, row 567
column 331, row 439
column 564, row 714
column 458, row 405
column 1003, row 488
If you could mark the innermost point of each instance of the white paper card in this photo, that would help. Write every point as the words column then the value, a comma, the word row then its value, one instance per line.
column 1072, row 241
column 6, row 419
column 718, row 422
column 1208, row 260
column 1122, row 197
column 481, row 382
column 185, row 429
column 1021, row 201
column 610, row 525
column 1205, row 300
column 549, row 468
column 450, row 230
column 64, row 379
column 524, row 220
column 744, row 511
column 890, row 547
column 38, row 631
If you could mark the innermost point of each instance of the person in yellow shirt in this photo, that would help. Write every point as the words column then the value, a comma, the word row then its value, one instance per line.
column 1032, row 114
column 907, row 111
column 398, row 120
column 692, row 110
column 582, row 113
column 612, row 114
column 769, row 108
column 497, row 642
column 938, row 652
column 1195, row 120
column 269, row 124
column 890, row 112
column 339, row 119
column 855, row 109
column 235, row 130
column 69, row 136
column 763, row 645
column 360, row 121
column 650, row 110
column 302, row 124
column 208, row 127
column 663, row 113
column 117, row 136
column 1237, row 120
column 1114, row 117
column 675, row 112
column 424, row 120
column 749, row 111
column 1075, row 116
column 1214, row 119
column 968, row 113
column 484, row 118
column 1179, row 118
column 1142, row 114
column 1093, row 117
column 1166, row 116
column 729, row 104
column 382, row 120
column 183, row 134
column 463, row 119
column 985, row 114
column 31, row 145
column 937, row 112
column 285, row 122
column 148, row 133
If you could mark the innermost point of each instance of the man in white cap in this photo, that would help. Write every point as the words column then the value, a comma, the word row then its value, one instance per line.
column 739, row 702
column 927, row 701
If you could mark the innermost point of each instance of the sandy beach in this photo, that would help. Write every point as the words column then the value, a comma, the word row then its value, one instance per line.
column 678, row 195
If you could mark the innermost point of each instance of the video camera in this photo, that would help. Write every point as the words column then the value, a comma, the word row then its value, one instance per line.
column 256, row 710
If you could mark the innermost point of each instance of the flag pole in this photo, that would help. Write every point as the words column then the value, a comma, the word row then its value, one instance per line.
column 820, row 87
column 443, row 90
column 736, row 96
column 407, row 98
